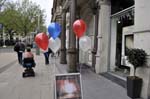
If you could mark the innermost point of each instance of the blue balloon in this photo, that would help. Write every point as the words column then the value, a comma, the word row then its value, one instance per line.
column 54, row 30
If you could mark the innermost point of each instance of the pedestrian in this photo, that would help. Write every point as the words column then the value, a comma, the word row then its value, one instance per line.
column 58, row 52
column 19, row 48
column 46, row 55
column 29, row 55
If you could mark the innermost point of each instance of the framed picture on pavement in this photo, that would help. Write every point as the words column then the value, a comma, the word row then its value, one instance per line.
column 68, row 86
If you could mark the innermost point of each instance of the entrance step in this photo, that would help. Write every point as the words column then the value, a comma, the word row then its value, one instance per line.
column 115, row 78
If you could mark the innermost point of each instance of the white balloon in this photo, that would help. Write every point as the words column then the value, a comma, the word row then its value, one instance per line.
column 54, row 44
column 85, row 43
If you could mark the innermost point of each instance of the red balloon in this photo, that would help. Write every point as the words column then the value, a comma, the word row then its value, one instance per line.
column 79, row 27
column 41, row 40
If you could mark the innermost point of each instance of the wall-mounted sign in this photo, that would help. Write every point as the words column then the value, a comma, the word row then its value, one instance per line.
column 68, row 86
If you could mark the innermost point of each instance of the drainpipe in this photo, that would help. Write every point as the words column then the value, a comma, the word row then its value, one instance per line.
column 94, row 51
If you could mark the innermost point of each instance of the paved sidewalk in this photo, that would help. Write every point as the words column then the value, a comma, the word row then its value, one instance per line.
column 13, row 86
column 6, row 58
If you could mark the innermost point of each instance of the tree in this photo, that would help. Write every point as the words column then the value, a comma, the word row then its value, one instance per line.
column 28, row 18
column 8, row 18
column 21, row 17
column 137, row 57
column 2, row 3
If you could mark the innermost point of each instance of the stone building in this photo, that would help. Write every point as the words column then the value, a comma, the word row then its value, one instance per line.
column 112, row 25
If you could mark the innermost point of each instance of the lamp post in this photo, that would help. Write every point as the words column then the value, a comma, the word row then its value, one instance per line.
column 37, row 31
column 4, row 37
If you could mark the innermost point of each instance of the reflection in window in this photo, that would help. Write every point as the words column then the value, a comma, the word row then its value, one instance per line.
column 128, row 42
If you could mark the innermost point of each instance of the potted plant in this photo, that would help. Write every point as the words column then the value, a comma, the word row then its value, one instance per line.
column 138, row 58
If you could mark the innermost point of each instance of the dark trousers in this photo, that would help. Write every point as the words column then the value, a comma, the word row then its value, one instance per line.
column 19, row 57
column 46, row 55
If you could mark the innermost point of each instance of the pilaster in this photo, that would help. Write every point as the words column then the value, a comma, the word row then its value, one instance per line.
column 102, row 57
column 141, row 40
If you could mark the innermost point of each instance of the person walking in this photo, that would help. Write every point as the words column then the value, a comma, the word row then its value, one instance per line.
column 46, row 55
column 19, row 48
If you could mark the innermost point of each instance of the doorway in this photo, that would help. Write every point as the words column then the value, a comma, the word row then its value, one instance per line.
column 123, row 12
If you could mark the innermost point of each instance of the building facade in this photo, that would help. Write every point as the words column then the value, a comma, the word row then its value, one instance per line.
column 113, row 26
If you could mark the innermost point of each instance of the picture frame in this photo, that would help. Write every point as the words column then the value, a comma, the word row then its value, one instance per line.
column 68, row 86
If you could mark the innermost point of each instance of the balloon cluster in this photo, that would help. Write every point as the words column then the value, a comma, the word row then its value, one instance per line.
column 79, row 28
column 44, row 42
column 54, row 29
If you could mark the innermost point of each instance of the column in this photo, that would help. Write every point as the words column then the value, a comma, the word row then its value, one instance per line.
column 63, row 59
column 72, row 39
column 103, row 53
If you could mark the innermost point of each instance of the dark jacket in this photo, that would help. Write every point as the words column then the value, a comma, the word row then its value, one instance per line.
column 19, row 47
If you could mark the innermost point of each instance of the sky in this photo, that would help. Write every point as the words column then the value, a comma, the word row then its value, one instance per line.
column 47, row 6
